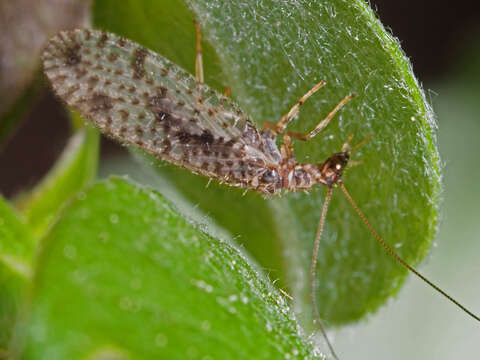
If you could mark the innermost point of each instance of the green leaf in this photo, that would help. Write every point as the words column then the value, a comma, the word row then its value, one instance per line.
column 16, row 252
column 75, row 168
column 271, row 53
column 123, row 275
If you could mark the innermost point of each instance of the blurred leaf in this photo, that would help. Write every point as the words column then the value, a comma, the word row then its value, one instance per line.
column 16, row 252
column 122, row 275
column 22, row 35
column 75, row 168
column 271, row 53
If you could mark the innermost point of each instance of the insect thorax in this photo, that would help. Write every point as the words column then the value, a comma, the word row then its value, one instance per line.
column 289, row 175
column 297, row 176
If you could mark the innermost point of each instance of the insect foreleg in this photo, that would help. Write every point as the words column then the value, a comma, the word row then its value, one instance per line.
column 323, row 123
column 278, row 128
column 228, row 91
column 287, row 147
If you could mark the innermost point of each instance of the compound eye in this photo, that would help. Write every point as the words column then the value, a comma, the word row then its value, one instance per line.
column 269, row 176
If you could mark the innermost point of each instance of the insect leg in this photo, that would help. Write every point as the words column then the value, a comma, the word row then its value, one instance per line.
column 198, row 58
column 287, row 147
column 346, row 145
column 323, row 123
column 278, row 128
column 353, row 163
column 227, row 91
column 348, row 148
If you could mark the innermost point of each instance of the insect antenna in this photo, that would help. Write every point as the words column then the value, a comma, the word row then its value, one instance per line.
column 398, row 258
column 313, row 266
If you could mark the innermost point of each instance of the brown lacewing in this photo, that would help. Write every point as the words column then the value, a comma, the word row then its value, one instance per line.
column 139, row 97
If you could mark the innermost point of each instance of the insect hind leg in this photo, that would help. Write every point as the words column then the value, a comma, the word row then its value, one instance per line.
column 199, row 77
column 199, row 56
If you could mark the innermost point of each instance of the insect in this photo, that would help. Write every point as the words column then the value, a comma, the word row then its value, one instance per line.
column 138, row 97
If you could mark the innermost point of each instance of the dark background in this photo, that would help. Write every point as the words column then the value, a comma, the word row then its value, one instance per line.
column 433, row 34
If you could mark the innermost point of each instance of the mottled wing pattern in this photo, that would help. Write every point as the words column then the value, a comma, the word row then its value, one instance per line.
column 141, row 98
